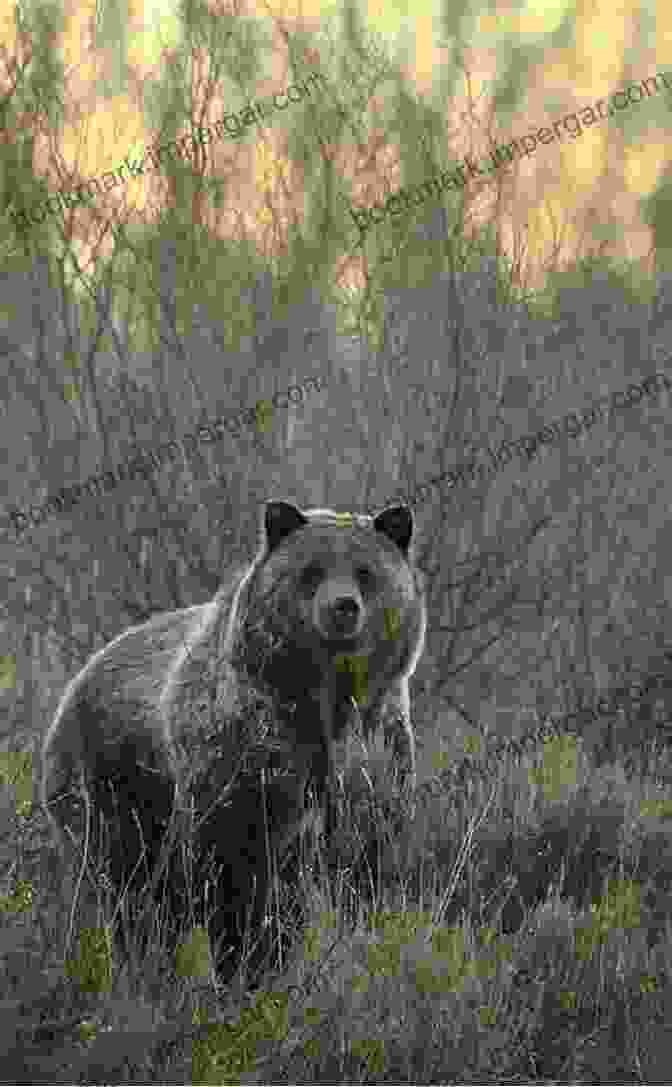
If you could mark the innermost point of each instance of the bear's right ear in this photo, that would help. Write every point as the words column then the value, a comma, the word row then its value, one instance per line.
column 280, row 520
column 397, row 524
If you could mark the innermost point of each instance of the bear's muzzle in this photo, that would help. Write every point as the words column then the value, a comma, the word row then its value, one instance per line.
column 338, row 610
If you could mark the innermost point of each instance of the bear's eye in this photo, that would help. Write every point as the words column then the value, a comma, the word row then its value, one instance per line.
column 365, row 577
column 312, row 575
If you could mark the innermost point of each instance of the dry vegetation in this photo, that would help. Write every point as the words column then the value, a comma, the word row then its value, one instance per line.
column 513, row 927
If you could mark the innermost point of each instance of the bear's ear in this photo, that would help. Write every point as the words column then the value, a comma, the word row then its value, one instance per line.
column 397, row 524
column 280, row 520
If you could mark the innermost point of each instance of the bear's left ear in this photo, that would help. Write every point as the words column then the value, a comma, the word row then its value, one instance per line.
column 280, row 520
column 397, row 524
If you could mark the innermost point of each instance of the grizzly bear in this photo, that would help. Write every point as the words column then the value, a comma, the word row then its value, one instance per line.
column 211, row 725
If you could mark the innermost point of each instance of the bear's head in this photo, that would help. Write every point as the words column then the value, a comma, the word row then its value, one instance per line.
column 333, row 604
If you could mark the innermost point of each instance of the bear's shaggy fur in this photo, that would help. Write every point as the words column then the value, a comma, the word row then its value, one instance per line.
column 212, row 721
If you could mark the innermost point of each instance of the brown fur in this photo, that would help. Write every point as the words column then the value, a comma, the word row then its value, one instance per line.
column 173, row 722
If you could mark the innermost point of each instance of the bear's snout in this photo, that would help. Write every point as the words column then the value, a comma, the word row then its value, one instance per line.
column 344, row 615
column 338, row 609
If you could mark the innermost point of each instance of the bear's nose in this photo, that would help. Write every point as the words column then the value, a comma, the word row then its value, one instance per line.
column 344, row 614
column 338, row 609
